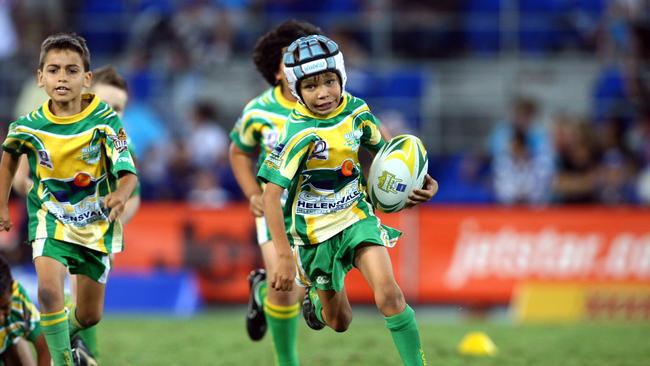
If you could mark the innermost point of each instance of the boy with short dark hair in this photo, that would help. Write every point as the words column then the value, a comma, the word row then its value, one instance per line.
column 83, row 175
column 257, row 130
column 19, row 321
column 329, row 222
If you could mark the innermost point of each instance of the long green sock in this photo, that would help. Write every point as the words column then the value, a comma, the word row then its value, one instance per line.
column 283, row 321
column 73, row 322
column 406, row 337
column 57, row 336
column 89, row 336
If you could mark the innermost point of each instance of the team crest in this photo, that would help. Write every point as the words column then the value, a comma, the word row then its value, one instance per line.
column 44, row 159
column 91, row 154
column 120, row 141
column 352, row 139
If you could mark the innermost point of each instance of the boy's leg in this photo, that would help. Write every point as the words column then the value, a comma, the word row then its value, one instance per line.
column 89, row 305
column 54, row 319
column 88, row 335
column 375, row 265
column 335, row 309
column 281, row 310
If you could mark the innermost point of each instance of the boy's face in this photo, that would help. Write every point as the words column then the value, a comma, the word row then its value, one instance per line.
column 321, row 93
column 113, row 96
column 63, row 77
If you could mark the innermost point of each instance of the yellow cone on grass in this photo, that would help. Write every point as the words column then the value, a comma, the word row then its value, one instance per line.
column 477, row 344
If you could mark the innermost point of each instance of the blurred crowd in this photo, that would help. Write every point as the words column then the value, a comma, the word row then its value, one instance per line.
column 167, row 50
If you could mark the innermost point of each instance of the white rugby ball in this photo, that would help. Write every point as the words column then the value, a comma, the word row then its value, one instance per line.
column 398, row 168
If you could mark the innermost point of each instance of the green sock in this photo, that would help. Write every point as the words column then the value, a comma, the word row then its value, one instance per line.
column 89, row 336
column 57, row 336
column 318, row 307
column 283, row 321
column 406, row 337
column 73, row 322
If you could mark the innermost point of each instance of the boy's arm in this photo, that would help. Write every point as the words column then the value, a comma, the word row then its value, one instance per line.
column 22, row 182
column 130, row 208
column 8, row 166
column 242, row 167
column 117, row 200
column 284, row 274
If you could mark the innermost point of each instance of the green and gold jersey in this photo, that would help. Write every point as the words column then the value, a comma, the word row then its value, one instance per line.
column 74, row 162
column 23, row 319
column 317, row 161
column 261, row 122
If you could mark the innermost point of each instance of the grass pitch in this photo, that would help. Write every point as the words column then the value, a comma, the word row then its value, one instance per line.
column 218, row 337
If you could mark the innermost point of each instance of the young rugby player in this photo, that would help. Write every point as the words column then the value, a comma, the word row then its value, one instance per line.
column 83, row 175
column 329, row 223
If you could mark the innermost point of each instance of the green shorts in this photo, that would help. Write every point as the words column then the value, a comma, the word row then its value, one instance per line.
column 325, row 265
column 78, row 259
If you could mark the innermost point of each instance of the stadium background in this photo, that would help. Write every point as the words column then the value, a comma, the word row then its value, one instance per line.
column 552, row 229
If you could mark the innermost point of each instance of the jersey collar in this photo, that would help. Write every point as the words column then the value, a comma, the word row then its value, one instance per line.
column 302, row 109
column 277, row 94
column 94, row 102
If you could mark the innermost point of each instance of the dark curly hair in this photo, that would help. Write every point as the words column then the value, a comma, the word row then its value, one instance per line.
column 267, row 54
column 6, row 280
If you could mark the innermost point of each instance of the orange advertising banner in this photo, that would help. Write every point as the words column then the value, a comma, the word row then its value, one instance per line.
column 470, row 255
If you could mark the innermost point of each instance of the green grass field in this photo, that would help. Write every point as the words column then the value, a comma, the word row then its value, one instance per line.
column 218, row 338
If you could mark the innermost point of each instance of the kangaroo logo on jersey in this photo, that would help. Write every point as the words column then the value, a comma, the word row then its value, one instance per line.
column 44, row 159
column 320, row 151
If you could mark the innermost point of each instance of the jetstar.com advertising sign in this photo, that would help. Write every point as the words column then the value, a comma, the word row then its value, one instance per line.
column 479, row 255
column 445, row 255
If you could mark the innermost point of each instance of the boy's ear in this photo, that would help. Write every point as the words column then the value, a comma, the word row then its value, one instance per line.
column 39, row 78
column 88, row 79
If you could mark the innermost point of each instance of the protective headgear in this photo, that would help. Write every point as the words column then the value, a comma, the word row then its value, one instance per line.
column 309, row 56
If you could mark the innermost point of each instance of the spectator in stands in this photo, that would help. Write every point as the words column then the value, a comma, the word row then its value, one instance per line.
column 207, row 140
column 576, row 173
column 517, row 145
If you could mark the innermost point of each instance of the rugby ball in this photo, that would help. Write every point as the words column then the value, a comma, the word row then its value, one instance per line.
column 398, row 168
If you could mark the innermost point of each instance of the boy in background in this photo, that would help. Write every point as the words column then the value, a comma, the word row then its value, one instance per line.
column 256, row 133
column 19, row 323
column 83, row 175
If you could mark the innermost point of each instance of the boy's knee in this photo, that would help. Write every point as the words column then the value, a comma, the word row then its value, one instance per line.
column 49, row 296
column 389, row 298
column 87, row 319
column 339, row 322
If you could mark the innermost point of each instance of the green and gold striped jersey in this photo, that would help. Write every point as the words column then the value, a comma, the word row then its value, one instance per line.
column 74, row 162
column 23, row 319
column 261, row 122
column 317, row 161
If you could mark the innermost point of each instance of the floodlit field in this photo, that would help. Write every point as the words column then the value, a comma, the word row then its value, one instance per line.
column 218, row 338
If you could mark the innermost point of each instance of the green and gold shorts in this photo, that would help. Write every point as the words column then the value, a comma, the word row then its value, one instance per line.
column 325, row 265
column 78, row 259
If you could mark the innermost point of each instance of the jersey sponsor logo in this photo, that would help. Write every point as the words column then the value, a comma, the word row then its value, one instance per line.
column 44, row 159
column 322, row 280
column 269, row 138
column 120, row 141
column 320, row 151
column 81, row 214
column 91, row 154
column 274, row 160
column 352, row 139
column 389, row 183
column 318, row 204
